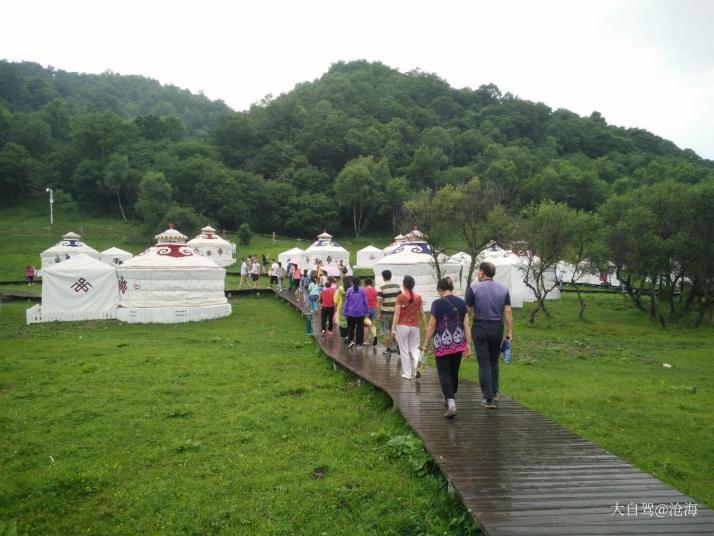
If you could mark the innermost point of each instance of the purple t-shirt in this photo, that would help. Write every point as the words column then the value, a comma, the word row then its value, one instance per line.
column 450, row 336
column 488, row 298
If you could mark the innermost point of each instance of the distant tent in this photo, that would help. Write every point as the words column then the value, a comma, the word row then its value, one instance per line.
column 414, row 259
column 326, row 250
column 70, row 245
column 210, row 245
column 114, row 256
column 366, row 257
column 462, row 258
column 81, row 288
column 286, row 256
column 510, row 271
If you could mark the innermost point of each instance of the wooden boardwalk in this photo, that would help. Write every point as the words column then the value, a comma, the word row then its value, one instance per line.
column 518, row 472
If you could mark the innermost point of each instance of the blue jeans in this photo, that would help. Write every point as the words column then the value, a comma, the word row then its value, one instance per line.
column 313, row 303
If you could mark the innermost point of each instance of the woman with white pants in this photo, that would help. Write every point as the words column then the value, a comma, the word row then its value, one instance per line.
column 408, row 319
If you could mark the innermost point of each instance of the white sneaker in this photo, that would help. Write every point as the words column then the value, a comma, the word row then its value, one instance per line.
column 406, row 377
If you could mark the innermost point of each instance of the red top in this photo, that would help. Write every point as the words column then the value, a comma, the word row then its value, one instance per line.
column 409, row 313
column 327, row 297
column 371, row 297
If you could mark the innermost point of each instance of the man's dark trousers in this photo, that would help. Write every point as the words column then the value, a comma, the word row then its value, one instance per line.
column 488, row 337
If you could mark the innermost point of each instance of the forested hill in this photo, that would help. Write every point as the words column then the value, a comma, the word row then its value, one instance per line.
column 29, row 87
column 353, row 144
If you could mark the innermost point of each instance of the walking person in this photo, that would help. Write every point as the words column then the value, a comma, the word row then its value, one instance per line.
column 355, row 309
column 371, row 293
column 30, row 274
column 274, row 273
column 255, row 272
column 386, row 300
column 408, row 318
column 340, row 293
column 491, row 306
column 281, row 276
column 297, row 277
column 447, row 331
column 327, row 307
column 243, row 273
column 313, row 291
column 305, row 287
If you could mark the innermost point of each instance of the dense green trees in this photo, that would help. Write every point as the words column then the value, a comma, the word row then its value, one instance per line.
column 351, row 150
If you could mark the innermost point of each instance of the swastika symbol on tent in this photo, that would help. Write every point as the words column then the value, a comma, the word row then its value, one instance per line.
column 81, row 284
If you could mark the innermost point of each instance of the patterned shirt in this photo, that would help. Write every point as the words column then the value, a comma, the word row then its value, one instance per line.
column 450, row 335
column 388, row 294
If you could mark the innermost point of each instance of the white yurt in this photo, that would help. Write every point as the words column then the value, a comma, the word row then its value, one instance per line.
column 366, row 257
column 291, row 255
column 70, row 245
column 462, row 258
column 510, row 271
column 328, row 251
column 210, row 245
column 591, row 276
column 414, row 259
column 170, row 283
column 81, row 288
column 115, row 256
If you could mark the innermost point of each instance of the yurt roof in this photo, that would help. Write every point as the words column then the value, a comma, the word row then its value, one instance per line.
column 461, row 256
column 408, row 253
column 325, row 242
column 208, row 236
column 78, row 263
column 171, row 256
column 170, row 236
column 370, row 249
column 71, row 242
column 115, row 252
column 292, row 251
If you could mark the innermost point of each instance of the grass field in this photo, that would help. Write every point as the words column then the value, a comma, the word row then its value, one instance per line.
column 604, row 379
column 237, row 425
column 105, row 394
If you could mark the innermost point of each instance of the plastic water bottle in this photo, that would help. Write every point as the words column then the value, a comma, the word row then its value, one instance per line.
column 506, row 349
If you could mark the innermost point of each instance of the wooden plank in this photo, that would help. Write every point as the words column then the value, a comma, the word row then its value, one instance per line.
column 516, row 471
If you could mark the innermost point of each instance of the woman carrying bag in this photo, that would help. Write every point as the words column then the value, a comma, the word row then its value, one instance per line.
column 447, row 332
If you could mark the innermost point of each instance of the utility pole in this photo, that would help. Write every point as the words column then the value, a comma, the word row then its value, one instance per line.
column 52, row 202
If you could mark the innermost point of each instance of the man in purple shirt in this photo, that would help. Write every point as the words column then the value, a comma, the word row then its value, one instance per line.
column 490, row 306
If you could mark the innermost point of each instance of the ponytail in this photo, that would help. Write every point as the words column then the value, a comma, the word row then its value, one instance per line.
column 355, row 283
column 409, row 285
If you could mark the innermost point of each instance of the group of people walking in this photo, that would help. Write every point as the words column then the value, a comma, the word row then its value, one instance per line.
column 355, row 309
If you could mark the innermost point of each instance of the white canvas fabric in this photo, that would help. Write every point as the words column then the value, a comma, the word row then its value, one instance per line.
column 564, row 271
column 285, row 257
column 171, row 315
column 114, row 256
column 210, row 245
column 366, row 257
column 510, row 271
column 171, row 275
column 327, row 250
column 414, row 259
column 81, row 285
column 398, row 241
column 462, row 258
column 70, row 245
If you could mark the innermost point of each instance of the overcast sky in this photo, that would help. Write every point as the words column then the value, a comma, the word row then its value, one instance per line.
column 643, row 63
